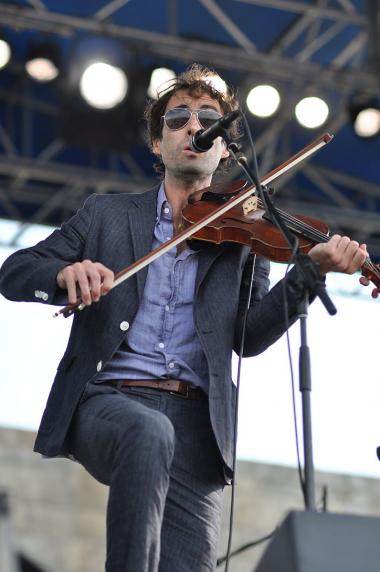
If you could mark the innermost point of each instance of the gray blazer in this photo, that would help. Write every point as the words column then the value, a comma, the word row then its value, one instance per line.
column 116, row 230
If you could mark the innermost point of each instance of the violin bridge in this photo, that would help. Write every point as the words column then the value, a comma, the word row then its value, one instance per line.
column 249, row 205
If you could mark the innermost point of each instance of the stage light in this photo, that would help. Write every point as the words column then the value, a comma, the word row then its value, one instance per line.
column 263, row 100
column 103, row 86
column 367, row 123
column 159, row 80
column 5, row 53
column 103, row 95
column 364, row 113
column 43, row 62
column 41, row 69
column 311, row 112
column 217, row 83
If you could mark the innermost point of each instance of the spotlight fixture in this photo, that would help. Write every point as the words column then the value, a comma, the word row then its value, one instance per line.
column 43, row 62
column 365, row 116
column 103, row 86
column 217, row 83
column 311, row 112
column 5, row 53
column 263, row 100
column 159, row 80
column 367, row 123
column 104, row 95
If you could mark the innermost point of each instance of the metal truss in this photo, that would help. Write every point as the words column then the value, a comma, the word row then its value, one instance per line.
column 53, row 190
column 224, row 56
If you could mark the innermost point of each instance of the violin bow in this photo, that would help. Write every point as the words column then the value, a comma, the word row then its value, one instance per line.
column 219, row 211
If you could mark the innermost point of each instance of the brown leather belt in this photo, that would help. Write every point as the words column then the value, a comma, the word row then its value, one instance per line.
column 174, row 386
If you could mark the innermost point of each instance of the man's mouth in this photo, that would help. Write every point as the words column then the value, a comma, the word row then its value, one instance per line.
column 188, row 149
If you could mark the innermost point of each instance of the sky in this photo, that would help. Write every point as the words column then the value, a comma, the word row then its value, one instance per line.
column 345, row 393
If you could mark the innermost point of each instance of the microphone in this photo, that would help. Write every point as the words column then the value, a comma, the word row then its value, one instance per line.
column 203, row 139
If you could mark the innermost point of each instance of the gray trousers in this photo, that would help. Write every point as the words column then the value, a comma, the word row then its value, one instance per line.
column 158, row 454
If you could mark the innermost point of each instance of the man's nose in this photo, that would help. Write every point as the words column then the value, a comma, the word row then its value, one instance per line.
column 193, row 125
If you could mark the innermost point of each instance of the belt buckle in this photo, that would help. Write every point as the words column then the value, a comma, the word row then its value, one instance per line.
column 182, row 395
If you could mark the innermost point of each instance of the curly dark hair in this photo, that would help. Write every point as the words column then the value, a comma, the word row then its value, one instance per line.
column 196, row 80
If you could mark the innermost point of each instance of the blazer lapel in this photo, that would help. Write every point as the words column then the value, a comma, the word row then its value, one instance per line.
column 142, row 219
column 207, row 255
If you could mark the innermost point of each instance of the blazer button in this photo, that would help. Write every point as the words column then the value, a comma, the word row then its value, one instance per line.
column 99, row 365
column 124, row 326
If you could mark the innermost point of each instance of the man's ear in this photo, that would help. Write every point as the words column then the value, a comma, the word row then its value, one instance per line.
column 156, row 147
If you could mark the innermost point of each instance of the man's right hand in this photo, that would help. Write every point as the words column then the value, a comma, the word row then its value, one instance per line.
column 87, row 280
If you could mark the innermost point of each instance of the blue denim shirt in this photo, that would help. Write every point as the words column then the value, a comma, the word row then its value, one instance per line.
column 162, row 341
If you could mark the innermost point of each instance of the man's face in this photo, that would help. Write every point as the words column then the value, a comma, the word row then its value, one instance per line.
column 174, row 146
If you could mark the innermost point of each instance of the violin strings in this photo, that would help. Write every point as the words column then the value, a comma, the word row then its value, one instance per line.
column 324, row 238
column 318, row 236
column 301, row 226
column 304, row 227
column 372, row 267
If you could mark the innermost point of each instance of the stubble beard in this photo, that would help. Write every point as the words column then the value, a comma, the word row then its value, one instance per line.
column 191, row 173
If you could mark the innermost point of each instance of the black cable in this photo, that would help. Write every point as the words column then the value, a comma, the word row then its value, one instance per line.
column 292, row 382
column 286, row 308
column 242, row 341
column 245, row 547
column 228, row 555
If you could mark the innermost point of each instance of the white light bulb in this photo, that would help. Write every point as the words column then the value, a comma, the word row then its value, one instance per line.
column 159, row 79
column 263, row 100
column 42, row 69
column 216, row 83
column 367, row 122
column 311, row 112
column 5, row 53
column 103, row 86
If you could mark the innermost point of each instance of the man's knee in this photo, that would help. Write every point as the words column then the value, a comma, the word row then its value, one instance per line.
column 151, row 433
column 158, row 429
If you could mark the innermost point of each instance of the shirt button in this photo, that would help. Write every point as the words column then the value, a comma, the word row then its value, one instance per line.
column 44, row 296
column 171, row 364
column 124, row 326
column 167, row 308
column 166, row 210
column 168, row 238
column 99, row 365
column 161, row 345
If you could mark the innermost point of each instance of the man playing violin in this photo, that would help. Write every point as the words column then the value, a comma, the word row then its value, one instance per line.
column 143, row 397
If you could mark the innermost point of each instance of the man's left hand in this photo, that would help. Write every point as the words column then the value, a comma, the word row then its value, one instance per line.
column 339, row 254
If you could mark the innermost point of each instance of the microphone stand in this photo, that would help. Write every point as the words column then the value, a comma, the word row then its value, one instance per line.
column 309, row 280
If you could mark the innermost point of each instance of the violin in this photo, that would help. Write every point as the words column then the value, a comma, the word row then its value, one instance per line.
column 248, row 224
column 233, row 213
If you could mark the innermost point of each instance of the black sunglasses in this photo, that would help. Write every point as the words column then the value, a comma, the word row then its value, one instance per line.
column 178, row 117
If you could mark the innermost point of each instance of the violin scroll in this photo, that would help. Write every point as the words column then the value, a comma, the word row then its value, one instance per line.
column 371, row 273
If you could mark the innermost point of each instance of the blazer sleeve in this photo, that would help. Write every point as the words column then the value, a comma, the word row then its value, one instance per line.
column 266, row 321
column 29, row 275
